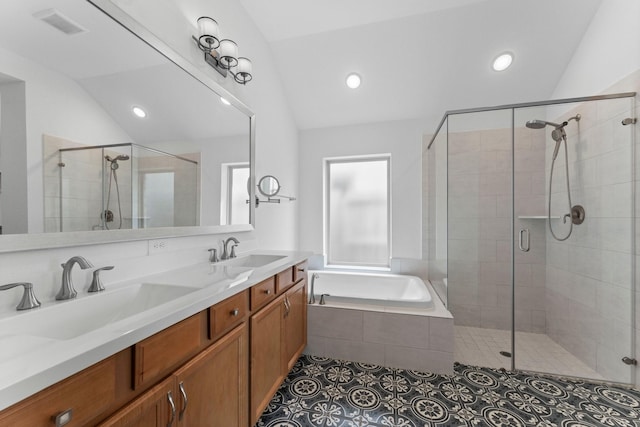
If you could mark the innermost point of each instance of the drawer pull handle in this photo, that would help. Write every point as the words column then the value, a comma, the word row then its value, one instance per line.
column 63, row 418
column 235, row 312
column 184, row 400
column 301, row 270
column 173, row 409
column 267, row 291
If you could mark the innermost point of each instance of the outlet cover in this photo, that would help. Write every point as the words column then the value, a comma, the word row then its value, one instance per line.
column 158, row 245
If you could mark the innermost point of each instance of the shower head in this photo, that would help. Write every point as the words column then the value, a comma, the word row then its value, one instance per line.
column 539, row 124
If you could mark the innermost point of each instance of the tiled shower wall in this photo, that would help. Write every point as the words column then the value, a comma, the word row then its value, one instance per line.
column 589, row 276
column 479, row 229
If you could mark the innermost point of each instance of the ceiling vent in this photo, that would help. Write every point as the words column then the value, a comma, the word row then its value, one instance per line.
column 60, row 22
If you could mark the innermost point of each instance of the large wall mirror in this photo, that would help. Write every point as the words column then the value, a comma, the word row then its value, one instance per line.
column 104, row 138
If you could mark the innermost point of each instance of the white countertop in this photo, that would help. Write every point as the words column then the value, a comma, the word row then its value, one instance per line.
column 51, row 360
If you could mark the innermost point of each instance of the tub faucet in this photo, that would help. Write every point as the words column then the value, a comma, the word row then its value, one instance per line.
column 67, row 291
column 225, row 253
column 312, row 296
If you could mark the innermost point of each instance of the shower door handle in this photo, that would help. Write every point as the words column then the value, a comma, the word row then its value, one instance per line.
column 522, row 241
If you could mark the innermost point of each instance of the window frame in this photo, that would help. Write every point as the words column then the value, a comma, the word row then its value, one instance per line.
column 326, row 211
column 226, row 213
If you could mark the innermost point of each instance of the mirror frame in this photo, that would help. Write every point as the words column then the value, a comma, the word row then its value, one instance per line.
column 26, row 242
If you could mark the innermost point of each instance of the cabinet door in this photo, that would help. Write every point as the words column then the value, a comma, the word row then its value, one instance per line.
column 153, row 408
column 212, row 387
column 295, row 324
column 267, row 370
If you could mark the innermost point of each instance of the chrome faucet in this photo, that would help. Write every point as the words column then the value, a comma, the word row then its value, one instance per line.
column 28, row 300
column 312, row 296
column 67, row 291
column 225, row 253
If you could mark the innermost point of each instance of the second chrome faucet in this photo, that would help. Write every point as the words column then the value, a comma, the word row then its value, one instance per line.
column 67, row 291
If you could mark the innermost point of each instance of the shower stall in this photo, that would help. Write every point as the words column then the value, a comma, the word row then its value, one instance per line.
column 530, row 234
column 122, row 186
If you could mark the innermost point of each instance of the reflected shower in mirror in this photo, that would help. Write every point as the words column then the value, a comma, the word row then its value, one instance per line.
column 99, row 131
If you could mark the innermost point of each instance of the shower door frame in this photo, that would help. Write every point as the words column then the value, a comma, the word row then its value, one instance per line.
column 513, row 108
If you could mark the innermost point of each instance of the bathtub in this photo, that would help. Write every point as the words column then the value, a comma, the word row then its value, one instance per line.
column 382, row 319
column 388, row 290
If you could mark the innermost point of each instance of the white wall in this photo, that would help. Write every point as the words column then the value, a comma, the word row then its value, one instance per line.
column 608, row 52
column 174, row 22
column 403, row 139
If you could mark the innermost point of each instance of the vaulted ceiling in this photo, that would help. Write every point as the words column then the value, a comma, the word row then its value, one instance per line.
column 417, row 58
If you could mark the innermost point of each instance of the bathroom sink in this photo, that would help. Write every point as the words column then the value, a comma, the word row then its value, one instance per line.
column 254, row 260
column 67, row 320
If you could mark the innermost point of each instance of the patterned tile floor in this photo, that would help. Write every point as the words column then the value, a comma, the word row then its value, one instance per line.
column 332, row 393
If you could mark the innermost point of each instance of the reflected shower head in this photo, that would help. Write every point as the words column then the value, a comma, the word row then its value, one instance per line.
column 119, row 157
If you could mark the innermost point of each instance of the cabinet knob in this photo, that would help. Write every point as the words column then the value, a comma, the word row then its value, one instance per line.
column 267, row 291
column 235, row 312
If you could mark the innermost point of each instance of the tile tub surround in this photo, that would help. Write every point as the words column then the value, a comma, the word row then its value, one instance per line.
column 329, row 392
column 402, row 338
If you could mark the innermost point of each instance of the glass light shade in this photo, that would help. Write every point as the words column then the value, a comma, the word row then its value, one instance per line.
column 228, row 53
column 208, row 31
column 244, row 70
column 502, row 61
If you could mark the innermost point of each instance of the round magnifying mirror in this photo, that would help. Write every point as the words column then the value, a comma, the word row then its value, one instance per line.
column 269, row 186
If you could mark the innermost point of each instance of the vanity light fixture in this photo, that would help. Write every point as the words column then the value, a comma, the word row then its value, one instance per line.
column 222, row 55
column 139, row 112
column 353, row 81
column 503, row 61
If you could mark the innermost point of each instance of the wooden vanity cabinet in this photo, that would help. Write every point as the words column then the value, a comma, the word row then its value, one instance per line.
column 212, row 388
column 87, row 394
column 278, row 337
column 295, row 324
column 209, row 390
column 151, row 409
column 217, row 368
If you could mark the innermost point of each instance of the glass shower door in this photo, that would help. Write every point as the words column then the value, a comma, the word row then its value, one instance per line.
column 479, row 236
column 573, row 259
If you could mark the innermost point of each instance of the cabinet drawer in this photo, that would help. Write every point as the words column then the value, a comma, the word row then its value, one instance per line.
column 300, row 271
column 284, row 279
column 88, row 394
column 228, row 313
column 158, row 354
column 263, row 292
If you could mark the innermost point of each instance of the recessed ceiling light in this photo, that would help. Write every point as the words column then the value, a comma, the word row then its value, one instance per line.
column 139, row 112
column 503, row 61
column 224, row 101
column 353, row 80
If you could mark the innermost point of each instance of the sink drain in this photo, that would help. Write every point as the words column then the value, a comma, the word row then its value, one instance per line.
column 505, row 354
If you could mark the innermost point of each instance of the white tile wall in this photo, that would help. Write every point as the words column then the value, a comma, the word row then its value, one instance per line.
column 397, row 340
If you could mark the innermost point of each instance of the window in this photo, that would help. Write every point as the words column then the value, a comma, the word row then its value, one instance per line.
column 357, row 211
column 234, row 206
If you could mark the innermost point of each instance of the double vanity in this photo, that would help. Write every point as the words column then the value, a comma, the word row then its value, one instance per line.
column 207, row 345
